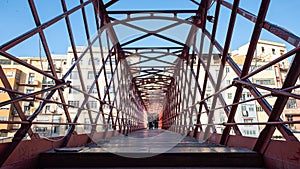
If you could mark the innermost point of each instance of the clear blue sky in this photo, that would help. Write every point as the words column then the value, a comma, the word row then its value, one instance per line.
column 16, row 18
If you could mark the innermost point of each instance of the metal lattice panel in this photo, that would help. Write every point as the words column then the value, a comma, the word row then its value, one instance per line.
column 124, row 69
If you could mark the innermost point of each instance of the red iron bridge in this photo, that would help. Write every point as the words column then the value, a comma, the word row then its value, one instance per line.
column 132, row 84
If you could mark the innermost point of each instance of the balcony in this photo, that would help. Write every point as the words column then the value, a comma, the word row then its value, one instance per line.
column 48, row 83
column 29, row 83
column 57, row 69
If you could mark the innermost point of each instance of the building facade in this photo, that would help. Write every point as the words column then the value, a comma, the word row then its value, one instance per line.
column 272, row 77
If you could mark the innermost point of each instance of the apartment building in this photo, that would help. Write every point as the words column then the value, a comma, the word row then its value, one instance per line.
column 272, row 77
column 82, row 78
column 6, row 113
column 23, row 80
column 251, row 111
column 246, row 112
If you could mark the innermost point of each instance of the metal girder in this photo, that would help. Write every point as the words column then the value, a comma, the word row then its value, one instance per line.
column 274, row 29
column 108, row 4
column 254, row 39
column 19, row 61
column 12, row 146
column 151, row 11
column 214, row 30
column 266, row 134
column 257, row 95
column 223, row 62
column 105, row 19
column 177, row 90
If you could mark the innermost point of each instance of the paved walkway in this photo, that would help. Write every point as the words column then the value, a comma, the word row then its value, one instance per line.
column 157, row 141
column 150, row 148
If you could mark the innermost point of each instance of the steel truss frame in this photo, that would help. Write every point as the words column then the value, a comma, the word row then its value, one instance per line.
column 131, row 100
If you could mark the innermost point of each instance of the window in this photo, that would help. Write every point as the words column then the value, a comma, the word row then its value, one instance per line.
column 265, row 82
column 243, row 108
column 111, row 91
column 47, row 109
column 259, row 108
column 18, row 75
column 105, row 88
column 94, row 91
column 5, row 62
column 26, row 110
column 208, row 100
column 73, row 103
column 87, row 123
column 42, row 118
column 105, row 106
column 228, row 82
column 108, row 75
column 243, row 97
column 229, row 95
column 251, row 108
column 29, row 91
column 262, row 49
column 40, row 129
column 290, row 118
column 9, row 74
column 74, row 75
column 222, row 119
column 4, row 118
column 273, row 51
column 248, row 120
column 244, row 111
column 56, row 119
column 55, row 130
column 31, row 77
column 93, row 104
column 227, row 69
column 91, row 75
column 291, row 104
column 96, row 61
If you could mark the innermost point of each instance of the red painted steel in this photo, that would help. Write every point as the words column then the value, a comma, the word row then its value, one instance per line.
column 177, row 85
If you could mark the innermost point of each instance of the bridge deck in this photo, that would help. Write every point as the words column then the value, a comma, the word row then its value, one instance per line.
column 151, row 148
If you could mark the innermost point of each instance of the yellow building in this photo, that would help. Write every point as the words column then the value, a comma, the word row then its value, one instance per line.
column 21, row 79
column 6, row 113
